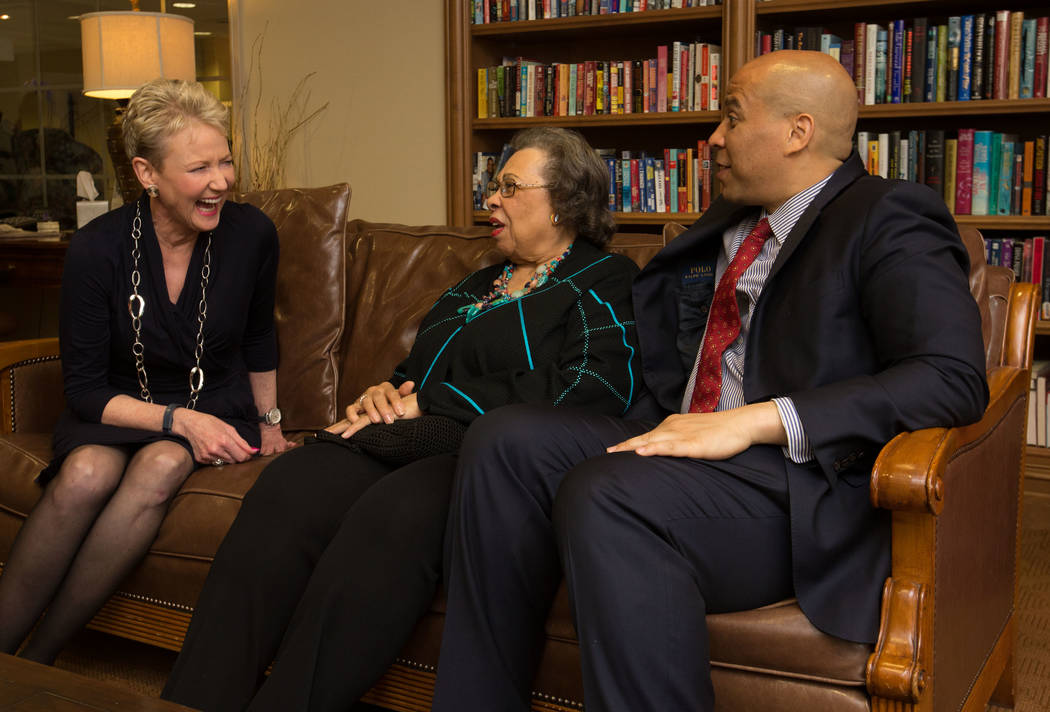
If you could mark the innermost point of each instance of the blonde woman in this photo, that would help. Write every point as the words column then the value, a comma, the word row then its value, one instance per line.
column 168, row 358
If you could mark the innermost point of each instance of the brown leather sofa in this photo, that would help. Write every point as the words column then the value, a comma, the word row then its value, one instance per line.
column 349, row 296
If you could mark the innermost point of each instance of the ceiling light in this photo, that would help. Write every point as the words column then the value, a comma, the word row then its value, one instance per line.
column 186, row 5
column 202, row 34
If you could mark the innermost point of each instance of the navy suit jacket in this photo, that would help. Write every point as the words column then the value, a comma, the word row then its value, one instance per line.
column 867, row 323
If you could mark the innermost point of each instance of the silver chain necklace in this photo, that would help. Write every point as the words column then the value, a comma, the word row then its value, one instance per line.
column 137, row 307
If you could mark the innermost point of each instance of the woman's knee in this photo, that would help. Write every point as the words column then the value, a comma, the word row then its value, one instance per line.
column 157, row 472
column 87, row 478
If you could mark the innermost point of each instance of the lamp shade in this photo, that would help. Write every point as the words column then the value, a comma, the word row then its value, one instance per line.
column 124, row 50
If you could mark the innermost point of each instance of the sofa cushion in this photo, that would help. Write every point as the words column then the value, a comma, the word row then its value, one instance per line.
column 395, row 274
column 310, row 301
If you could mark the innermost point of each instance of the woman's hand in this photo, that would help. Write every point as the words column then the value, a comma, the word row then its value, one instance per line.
column 211, row 438
column 378, row 404
column 273, row 442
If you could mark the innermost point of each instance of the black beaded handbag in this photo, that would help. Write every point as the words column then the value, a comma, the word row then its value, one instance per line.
column 402, row 441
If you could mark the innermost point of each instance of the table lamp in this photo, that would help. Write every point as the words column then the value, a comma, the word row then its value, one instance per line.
column 121, row 52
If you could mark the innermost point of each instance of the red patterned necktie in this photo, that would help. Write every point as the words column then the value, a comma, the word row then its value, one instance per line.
column 723, row 322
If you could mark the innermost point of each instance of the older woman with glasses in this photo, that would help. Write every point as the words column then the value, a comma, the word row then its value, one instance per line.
column 336, row 553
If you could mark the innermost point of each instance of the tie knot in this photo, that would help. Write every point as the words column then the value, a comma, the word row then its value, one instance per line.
column 761, row 232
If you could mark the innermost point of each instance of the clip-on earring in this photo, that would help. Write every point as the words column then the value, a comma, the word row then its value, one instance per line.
column 152, row 190
column 555, row 218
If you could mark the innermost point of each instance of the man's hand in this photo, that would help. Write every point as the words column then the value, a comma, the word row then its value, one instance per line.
column 710, row 436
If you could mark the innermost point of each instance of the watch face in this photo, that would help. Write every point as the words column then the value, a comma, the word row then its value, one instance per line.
column 273, row 416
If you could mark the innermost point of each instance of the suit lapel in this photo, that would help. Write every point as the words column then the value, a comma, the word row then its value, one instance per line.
column 843, row 177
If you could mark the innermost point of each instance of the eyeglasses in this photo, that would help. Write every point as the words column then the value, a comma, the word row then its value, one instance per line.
column 507, row 187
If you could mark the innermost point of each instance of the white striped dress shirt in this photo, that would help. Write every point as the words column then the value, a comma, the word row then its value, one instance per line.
column 748, row 289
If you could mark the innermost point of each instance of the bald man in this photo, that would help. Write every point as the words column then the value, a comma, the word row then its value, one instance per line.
column 809, row 316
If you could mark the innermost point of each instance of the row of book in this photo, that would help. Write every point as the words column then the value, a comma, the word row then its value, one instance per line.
column 486, row 11
column 677, row 180
column 978, row 172
column 992, row 55
column 1037, row 404
column 684, row 76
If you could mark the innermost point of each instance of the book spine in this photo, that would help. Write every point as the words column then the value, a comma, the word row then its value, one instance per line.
column 918, row 62
column 981, row 157
column 860, row 59
column 1027, row 176
column 1002, row 54
column 1014, row 67
column 1039, row 177
column 995, row 148
column 942, row 62
column 1006, row 177
column 881, row 47
column 483, row 92
column 871, row 53
column 965, row 58
column 930, row 88
column 977, row 71
column 964, row 172
column 1042, row 37
column 950, row 164
column 954, row 43
column 676, row 74
column 897, row 78
column 714, row 102
column 935, row 160
column 661, row 78
column 1028, row 35
column 636, row 191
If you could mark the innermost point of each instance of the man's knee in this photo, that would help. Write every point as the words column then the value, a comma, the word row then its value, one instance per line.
column 595, row 495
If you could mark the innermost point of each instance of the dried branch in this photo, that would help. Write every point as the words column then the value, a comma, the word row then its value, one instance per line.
column 262, row 163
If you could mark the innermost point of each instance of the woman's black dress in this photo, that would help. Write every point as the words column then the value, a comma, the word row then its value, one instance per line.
column 96, row 334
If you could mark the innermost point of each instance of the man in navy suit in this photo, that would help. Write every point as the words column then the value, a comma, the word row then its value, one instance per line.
column 809, row 316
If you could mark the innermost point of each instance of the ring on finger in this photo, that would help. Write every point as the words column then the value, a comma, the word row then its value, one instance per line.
column 218, row 462
column 361, row 400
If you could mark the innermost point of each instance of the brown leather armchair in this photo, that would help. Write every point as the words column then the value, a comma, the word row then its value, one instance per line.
column 947, row 632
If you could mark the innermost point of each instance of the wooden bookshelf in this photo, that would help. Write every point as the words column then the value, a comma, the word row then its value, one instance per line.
column 733, row 24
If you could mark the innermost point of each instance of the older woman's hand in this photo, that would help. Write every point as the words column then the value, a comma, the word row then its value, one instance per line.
column 378, row 404
column 211, row 438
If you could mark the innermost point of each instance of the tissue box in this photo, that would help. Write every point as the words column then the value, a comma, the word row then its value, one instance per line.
column 88, row 210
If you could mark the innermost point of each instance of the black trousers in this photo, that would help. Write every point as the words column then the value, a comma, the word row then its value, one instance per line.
column 649, row 547
column 328, row 566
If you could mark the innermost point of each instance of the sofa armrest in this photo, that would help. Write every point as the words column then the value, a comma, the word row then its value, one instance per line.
column 31, row 395
column 954, row 494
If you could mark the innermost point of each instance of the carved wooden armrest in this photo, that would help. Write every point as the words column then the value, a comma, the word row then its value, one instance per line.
column 910, row 478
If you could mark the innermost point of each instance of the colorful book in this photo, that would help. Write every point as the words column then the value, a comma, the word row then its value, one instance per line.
column 1027, row 174
column 930, row 89
column 954, row 45
column 1001, row 88
column 1039, row 182
column 980, row 171
column 1014, row 67
column 977, row 71
column 1042, row 37
column 964, row 172
column 896, row 68
column 965, row 58
column 1006, row 175
column 1028, row 39
column 942, row 63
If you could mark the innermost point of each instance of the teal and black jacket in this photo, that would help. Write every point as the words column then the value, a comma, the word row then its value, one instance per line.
column 570, row 342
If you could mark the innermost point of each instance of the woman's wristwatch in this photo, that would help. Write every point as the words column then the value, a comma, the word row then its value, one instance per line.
column 271, row 417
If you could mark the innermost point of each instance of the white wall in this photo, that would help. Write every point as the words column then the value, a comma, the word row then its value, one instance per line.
column 381, row 66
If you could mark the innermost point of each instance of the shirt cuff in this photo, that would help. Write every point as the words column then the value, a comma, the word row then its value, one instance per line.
column 798, row 449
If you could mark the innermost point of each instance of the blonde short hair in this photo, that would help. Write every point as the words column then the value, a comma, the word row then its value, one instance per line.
column 161, row 108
